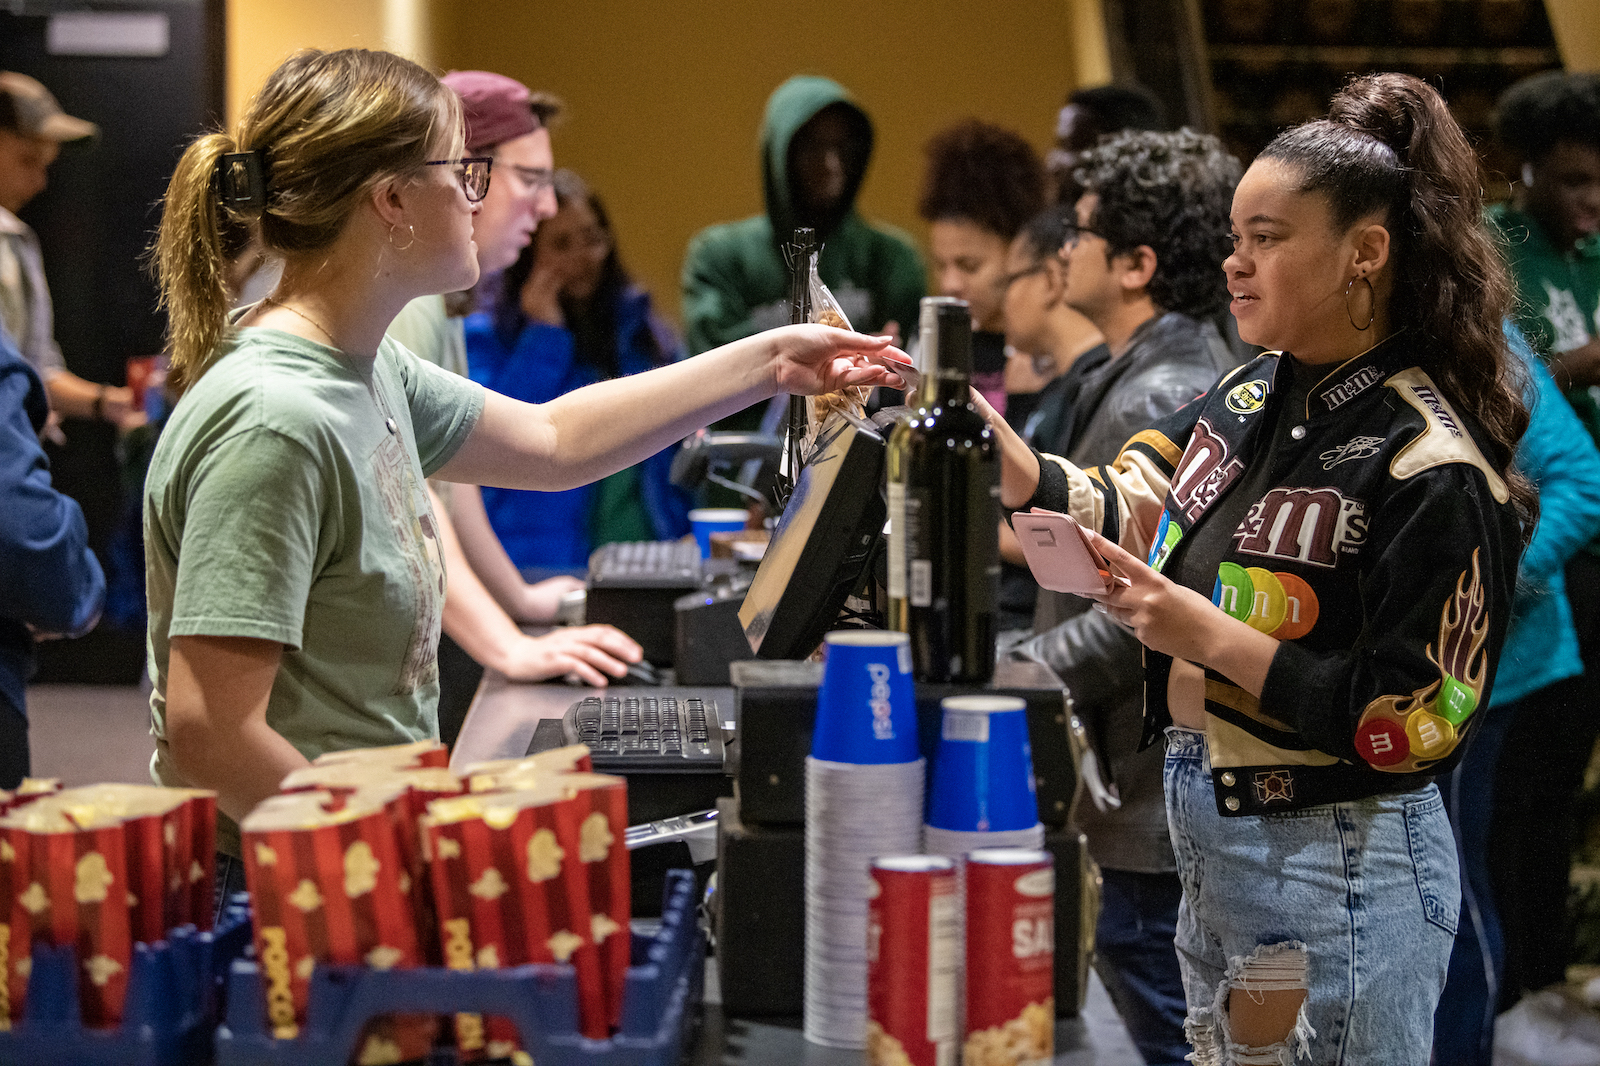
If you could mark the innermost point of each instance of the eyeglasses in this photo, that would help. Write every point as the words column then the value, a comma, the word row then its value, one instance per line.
column 474, row 174
column 1073, row 237
column 537, row 179
column 1012, row 279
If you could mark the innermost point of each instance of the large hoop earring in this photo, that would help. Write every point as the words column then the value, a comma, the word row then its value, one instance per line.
column 1372, row 301
column 412, row 230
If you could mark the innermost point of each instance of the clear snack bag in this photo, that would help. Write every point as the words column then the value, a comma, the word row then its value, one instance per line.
column 825, row 310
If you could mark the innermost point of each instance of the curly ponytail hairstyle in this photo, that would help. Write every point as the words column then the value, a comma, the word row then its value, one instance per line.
column 331, row 126
column 1390, row 145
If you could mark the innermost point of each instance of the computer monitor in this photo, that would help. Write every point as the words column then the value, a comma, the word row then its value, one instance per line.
column 827, row 535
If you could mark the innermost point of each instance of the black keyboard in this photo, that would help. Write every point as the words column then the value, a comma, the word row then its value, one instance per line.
column 628, row 733
column 646, row 564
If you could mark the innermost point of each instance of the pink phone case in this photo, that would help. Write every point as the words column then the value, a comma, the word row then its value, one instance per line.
column 1061, row 559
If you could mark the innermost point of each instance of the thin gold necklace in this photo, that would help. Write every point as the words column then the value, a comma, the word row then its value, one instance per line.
column 371, row 385
column 326, row 332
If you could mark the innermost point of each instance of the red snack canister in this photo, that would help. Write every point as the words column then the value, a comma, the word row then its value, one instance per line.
column 158, row 831
column 913, row 958
column 1010, row 958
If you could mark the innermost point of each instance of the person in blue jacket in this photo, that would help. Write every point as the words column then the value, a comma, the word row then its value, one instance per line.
column 568, row 315
column 50, row 582
column 1541, row 650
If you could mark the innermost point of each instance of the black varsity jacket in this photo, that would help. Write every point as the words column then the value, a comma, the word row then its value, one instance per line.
column 1384, row 559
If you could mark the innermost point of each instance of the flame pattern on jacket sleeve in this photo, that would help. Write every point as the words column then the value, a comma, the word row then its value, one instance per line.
column 1407, row 734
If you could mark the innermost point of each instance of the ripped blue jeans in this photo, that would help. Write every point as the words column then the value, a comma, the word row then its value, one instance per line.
column 1355, row 902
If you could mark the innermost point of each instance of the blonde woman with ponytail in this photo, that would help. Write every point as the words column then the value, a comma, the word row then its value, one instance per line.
column 292, row 558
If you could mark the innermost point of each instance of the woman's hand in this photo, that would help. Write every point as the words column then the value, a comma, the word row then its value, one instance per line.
column 588, row 652
column 810, row 360
column 1177, row 621
column 1019, row 467
column 541, row 293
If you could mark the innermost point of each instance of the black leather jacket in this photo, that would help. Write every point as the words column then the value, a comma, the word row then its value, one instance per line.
column 1170, row 360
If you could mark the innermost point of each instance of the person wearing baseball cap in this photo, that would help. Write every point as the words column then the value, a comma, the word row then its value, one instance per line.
column 487, row 597
column 32, row 129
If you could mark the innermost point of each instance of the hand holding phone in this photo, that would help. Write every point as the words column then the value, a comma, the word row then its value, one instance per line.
column 1062, row 555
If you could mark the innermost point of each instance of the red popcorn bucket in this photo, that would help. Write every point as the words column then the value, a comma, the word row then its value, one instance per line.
column 409, row 791
column 603, row 850
column 157, row 825
column 77, row 894
column 525, row 889
column 16, row 933
column 498, row 775
column 415, row 755
column 1010, row 917
column 202, row 858
column 330, row 886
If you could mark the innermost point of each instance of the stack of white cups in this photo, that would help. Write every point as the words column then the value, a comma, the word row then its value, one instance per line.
column 864, row 792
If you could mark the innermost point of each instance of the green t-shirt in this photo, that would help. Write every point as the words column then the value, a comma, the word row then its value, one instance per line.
column 1558, row 298
column 285, row 502
column 1558, row 293
column 428, row 330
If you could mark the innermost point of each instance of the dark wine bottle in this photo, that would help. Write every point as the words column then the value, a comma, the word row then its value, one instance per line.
column 944, row 510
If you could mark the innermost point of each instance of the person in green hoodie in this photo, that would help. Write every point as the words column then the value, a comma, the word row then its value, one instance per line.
column 816, row 142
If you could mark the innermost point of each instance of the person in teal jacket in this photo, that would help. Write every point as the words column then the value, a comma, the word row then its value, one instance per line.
column 1506, row 817
column 816, row 142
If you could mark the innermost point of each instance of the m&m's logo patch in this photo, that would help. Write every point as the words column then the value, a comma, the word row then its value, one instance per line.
column 1279, row 605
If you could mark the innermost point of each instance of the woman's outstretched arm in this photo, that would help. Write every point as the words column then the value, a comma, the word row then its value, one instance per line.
column 602, row 428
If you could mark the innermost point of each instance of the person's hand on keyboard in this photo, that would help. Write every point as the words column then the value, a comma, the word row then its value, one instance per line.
column 591, row 653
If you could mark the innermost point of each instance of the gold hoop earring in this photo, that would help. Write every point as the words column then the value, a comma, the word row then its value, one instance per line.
column 1372, row 299
column 412, row 230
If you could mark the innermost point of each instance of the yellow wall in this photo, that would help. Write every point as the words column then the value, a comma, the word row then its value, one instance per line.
column 666, row 95
column 262, row 32
column 1577, row 28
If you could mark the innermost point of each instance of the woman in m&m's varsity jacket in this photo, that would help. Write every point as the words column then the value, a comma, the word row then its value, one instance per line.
column 1319, row 556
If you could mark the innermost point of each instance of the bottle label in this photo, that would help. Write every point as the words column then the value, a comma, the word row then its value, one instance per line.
column 897, row 541
column 921, row 592
column 920, row 547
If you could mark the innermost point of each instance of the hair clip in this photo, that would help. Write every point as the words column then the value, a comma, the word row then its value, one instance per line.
column 242, row 181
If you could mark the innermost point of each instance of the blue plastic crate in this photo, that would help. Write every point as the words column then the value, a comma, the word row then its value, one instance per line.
column 170, row 1016
column 664, row 984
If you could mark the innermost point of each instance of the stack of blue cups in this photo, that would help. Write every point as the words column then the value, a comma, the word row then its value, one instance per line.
column 864, row 799
column 982, row 794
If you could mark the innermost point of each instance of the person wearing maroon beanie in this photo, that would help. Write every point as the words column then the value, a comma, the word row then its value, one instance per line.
column 487, row 596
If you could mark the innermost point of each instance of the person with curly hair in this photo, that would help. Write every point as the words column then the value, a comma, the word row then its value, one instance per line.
column 1087, row 116
column 1140, row 261
column 1550, row 236
column 1319, row 556
column 982, row 185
